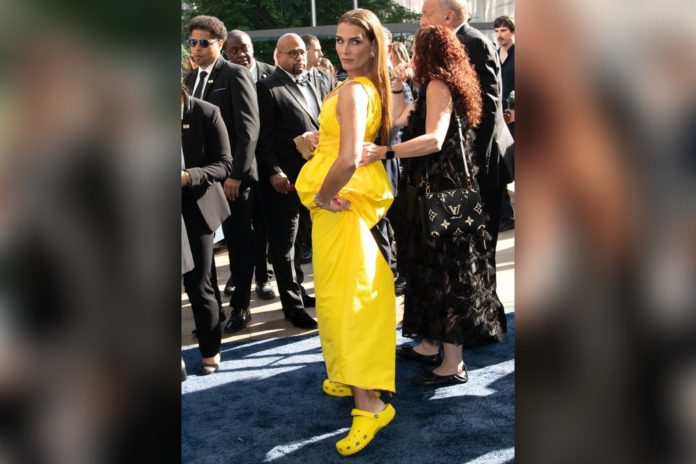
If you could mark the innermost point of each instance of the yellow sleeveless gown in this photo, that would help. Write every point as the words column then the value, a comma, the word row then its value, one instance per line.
column 356, row 305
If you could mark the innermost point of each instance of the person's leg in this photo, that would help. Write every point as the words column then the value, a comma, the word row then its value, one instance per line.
column 507, row 215
column 366, row 400
column 199, row 287
column 427, row 347
column 452, row 361
column 282, row 217
column 243, row 248
column 261, row 271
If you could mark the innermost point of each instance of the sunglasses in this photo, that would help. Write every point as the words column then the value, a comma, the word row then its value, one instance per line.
column 295, row 53
column 205, row 43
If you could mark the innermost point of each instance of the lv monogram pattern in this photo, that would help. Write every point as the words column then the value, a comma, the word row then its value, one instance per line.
column 454, row 212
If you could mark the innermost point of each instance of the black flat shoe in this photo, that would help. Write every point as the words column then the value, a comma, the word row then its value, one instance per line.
column 429, row 379
column 408, row 352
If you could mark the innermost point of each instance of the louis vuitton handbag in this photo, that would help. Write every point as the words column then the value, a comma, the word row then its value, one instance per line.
column 455, row 211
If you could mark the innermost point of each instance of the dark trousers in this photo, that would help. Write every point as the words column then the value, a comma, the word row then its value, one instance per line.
column 239, row 238
column 282, row 213
column 506, row 211
column 199, row 283
column 491, row 206
column 261, row 272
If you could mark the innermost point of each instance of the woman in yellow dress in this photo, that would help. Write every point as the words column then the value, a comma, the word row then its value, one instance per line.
column 356, row 305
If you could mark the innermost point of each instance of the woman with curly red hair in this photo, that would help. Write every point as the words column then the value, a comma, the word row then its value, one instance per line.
column 449, row 302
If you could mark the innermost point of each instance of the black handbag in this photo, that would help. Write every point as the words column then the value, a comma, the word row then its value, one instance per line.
column 456, row 211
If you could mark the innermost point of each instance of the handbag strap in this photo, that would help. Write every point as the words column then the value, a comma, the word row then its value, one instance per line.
column 461, row 145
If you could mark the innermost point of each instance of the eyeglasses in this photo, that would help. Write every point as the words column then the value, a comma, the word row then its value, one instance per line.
column 205, row 43
column 295, row 53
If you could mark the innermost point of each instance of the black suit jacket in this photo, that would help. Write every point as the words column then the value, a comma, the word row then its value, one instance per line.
column 232, row 90
column 263, row 70
column 507, row 71
column 493, row 140
column 207, row 158
column 284, row 116
column 322, row 81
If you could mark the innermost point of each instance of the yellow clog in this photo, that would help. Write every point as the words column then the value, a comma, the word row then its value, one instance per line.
column 336, row 389
column 339, row 390
column 365, row 426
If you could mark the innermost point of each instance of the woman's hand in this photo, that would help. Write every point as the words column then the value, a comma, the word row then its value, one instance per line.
column 372, row 153
column 335, row 205
column 403, row 72
column 338, row 204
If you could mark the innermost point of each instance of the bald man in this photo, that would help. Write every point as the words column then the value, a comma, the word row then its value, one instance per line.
column 240, row 50
column 289, row 106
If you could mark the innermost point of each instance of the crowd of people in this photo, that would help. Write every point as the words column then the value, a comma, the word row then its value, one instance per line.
column 287, row 159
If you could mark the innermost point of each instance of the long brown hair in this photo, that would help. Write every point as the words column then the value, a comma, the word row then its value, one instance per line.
column 438, row 54
column 379, row 70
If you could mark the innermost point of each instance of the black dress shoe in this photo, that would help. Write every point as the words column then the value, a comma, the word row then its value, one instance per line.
column 409, row 353
column 229, row 287
column 308, row 301
column 429, row 379
column 238, row 320
column 301, row 319
column 265, row 291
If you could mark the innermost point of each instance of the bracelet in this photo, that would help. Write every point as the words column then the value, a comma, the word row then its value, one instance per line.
column 398, row 91
column 320, row 203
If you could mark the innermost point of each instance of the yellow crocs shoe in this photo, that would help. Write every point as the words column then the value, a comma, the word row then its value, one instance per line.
column 336, row 389
column 339, row 390
column 365, row 426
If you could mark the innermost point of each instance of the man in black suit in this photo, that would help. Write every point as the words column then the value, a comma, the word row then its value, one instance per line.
column 504, row 27
column 289, row 106
column 205, row 162
column 493, row 140
column 231, row 88
column 240, row 50
column 324, row 82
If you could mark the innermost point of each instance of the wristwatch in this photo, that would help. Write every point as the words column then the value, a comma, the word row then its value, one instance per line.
column 390, row 153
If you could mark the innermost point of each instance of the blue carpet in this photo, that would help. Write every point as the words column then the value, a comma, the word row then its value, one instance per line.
column 266, row 405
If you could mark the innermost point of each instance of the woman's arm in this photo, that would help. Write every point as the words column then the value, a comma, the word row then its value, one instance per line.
column 351, row 111
column 400, row 109
column 438, row 110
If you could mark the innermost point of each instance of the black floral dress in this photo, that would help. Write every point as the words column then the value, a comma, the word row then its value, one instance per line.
column 449, row 296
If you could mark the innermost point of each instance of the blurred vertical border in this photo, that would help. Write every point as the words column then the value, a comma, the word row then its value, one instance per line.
column 606, row 231
column 89, row 231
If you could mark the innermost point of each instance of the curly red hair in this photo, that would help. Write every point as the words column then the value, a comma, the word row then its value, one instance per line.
column 438, row 54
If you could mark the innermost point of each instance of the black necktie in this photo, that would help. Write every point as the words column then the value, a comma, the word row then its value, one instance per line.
column 201, row 83
column 304, row 80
